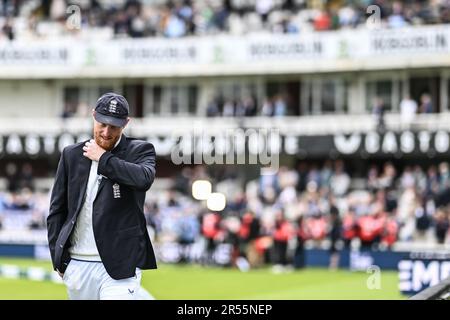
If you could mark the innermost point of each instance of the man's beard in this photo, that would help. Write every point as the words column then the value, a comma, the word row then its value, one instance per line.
column 108, row 145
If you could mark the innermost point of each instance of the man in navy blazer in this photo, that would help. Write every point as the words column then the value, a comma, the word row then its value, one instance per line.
column 97, row 231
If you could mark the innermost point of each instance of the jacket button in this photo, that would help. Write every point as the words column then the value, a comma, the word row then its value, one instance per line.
column 61, row 246
column 73, row 221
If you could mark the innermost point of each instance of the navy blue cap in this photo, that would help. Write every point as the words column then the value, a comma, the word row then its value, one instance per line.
column 113, row 109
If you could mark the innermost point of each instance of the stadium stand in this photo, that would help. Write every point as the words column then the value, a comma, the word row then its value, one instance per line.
column 174, row 19
column 360, row 106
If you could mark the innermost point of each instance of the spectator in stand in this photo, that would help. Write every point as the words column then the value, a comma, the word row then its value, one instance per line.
column 397, row 18
column 335, row 236
column 249, row 232
column 282, row 233
column 249, row 106
column 228, row 109
column 441, row 221
column 378, row 110
column 212, row 110
column 444, row 176
column 179, row 18
column 280, row 107
column 212, row 232
column 188, row 228
column 390, row 231
column 372, row 178
column 69, row 110
column 322, row 21
column 408, row 110
column 26, row 177
column 267, row 109
column 8, row 29
column 387, row 178
column 239, row 108
column 12, row 177
column 302, row 236
column 302, row 169
column 423, row 220
column 316, row 226
column 432, row 182
column 426, row 105
column 326, row 174
column 340, row 180
column 349, row 227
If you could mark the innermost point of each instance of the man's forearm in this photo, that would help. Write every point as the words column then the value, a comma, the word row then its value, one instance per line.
column 136, row 175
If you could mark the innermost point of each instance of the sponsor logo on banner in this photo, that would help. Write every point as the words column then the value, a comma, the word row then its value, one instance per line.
column 37, row 55
column 241, row 142
column 246, row 50
column 407, row 142
column 171, row 252
column 420, row 271
column 434, row 40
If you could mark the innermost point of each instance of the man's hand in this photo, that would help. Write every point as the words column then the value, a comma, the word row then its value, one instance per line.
column 92, row 150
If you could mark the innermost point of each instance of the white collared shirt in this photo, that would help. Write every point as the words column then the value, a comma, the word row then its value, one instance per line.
column 82, row 239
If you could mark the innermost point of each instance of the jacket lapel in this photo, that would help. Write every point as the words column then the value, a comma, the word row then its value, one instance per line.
column 84, row 167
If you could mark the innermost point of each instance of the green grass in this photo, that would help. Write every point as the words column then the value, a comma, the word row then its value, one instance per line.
column 195, row 282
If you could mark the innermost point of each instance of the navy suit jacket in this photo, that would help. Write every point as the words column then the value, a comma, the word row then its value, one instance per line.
column 118, row 219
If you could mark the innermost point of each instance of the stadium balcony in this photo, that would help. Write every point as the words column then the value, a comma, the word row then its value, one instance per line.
column 331, row 124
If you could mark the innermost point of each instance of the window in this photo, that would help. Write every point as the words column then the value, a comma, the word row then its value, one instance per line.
column 241, row 94
column 288, row 91
column 328, row 97
column 71, row 101
column 157, row 99
column 321, row 96
column 103, row 90
column 192, row 99
column 171, row 99
column 379, row 89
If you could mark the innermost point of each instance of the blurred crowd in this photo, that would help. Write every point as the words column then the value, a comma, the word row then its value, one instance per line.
column 275, row 217
column 179, row 18
column 246, row 107
column 408, row 108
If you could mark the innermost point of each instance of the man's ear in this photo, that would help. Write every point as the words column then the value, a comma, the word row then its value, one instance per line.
column 128, row 121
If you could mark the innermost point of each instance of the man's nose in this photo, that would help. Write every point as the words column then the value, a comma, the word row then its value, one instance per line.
column 107, row 131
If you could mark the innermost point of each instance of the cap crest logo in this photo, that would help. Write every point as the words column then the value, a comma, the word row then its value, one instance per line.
column 113, row 106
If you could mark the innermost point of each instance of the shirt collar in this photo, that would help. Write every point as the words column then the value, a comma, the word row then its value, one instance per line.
column 118, row 141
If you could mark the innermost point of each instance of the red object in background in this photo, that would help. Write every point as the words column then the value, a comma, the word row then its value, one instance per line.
column 302, row 232
column 244, row 230
column 348, row 227
column 210, row 225
column 263, row 243
column 390, row 232
column 317, row 228
column 322, row 22
column 370, row 227
column 283, row 232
